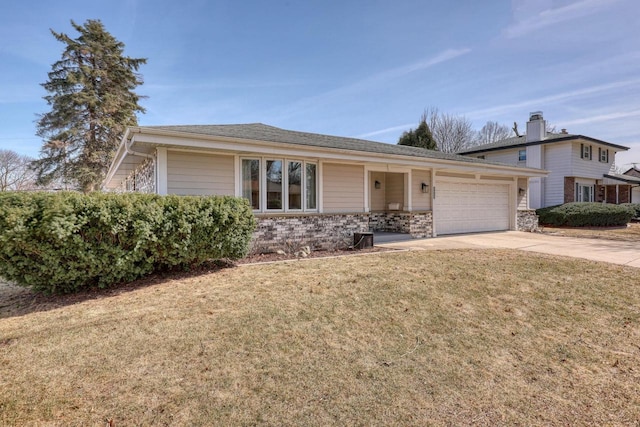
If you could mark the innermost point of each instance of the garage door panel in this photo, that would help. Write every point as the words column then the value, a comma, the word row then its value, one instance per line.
column 471, row 207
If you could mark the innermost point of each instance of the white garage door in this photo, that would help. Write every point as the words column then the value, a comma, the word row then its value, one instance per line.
column 467, row 208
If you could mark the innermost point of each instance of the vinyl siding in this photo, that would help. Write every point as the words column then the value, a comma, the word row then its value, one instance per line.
column 593, row 168
column 509, row 157
column 343, row 188
column 394, row 192
column 377, row 194
column 200, row 174
column 557, row 160
column 421, row 201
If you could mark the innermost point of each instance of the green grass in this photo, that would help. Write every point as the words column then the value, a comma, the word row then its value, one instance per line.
column 417, row 338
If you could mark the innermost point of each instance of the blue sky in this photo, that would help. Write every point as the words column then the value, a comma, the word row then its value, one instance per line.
column 351, row 68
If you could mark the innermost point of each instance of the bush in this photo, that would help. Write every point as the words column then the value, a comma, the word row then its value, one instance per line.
column 582, row 214
column 61, row 242
column 635, row 207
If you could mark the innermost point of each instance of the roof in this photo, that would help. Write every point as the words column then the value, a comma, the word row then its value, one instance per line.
column 624, row 178
column 521, row 141
column 138, row 141
column 262, row 132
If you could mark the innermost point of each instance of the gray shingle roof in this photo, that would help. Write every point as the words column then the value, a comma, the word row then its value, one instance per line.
column 521, row 141
column 262, row 132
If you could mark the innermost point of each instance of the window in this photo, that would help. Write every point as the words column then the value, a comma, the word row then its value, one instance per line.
column 603, row 155
column 585, row 151
column 295, row 185
column 522, row 155
column 584, row 193
column 289, row 185
column 274, row 184
column 311, row 186
column 251, row 182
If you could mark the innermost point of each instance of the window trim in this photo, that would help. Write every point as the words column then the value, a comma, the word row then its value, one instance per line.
column 285, row 183
column 522, row 155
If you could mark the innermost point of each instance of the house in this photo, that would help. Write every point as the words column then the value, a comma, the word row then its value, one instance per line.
column 580, row 167
column 320, row 189
column 631, row 177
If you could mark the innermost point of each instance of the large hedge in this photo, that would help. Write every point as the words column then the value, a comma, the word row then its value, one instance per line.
column 61, row 242
column 635, row 207
column 583, row 214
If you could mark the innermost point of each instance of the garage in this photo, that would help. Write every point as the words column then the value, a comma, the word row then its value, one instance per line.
column 463, row 207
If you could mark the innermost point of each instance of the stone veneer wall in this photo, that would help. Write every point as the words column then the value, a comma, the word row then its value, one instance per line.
column 332, row 231
column 527, row 220
column 418, row 224
column 320, row 231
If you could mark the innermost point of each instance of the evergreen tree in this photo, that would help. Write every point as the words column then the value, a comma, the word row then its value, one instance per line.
column 92, row 99
column 420, row 137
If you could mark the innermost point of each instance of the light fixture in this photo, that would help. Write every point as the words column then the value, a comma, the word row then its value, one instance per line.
column 425, row 187
column 377, row 184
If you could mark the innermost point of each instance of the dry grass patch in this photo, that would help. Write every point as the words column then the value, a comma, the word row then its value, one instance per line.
column 631, row 233
column 418, row 338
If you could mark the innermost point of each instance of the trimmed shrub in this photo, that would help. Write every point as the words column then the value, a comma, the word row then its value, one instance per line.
column 583, row 214
column 635, row 207
column 62, row 242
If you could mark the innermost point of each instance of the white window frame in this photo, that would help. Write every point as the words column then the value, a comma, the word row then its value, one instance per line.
column 285, row 183
column 522, row 155
column 580, row 192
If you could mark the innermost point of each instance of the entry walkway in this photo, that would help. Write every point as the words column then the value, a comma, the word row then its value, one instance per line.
column 615, row 252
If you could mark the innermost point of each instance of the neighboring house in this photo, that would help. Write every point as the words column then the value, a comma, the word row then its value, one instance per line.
column 580, row 167
column 320, row 189
column 632, row 177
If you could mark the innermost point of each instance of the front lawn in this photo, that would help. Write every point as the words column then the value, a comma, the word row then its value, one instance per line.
column 414, row 338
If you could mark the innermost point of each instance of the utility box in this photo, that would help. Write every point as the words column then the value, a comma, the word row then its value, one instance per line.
column 363, row 240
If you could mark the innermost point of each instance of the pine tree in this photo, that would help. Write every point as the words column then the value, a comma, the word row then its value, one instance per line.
column 92, row 99
column 420, row 137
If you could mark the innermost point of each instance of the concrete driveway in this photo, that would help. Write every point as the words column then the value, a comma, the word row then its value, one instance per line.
column 615, row 252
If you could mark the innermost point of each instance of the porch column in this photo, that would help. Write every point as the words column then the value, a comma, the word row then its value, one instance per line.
column 161, row 165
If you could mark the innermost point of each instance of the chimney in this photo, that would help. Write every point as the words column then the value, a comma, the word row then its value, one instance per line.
column 536, row 127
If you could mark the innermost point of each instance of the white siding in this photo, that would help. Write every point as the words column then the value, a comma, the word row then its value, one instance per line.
column 509, row 157
column 557, row 160
column 522, row 198
column 343, row 188
column 593, row 168
column 199, row 174
column 421, row 201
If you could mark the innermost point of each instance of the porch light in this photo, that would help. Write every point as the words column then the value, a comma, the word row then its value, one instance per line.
column 425, row 187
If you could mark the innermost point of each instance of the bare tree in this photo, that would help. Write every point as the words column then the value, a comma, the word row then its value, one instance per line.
column 15, row 173
column 492, row 132
column 452, row 133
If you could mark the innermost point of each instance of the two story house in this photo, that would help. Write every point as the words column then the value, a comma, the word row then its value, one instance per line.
column 580, row 167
